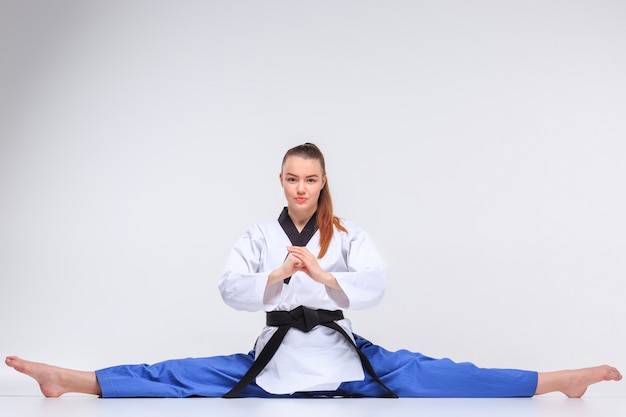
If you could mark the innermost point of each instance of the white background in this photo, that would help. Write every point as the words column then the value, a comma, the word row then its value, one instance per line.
column 480, row 143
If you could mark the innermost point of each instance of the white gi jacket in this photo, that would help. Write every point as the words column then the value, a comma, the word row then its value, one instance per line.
column 322, row 358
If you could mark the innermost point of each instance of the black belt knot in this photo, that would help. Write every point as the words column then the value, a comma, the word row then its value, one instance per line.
column 302, row 318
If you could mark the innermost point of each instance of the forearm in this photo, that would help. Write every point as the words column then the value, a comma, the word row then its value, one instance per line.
column 275, row 277
column 329, row 281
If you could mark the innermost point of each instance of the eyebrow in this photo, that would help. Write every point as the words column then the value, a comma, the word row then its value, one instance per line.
column 308, row 176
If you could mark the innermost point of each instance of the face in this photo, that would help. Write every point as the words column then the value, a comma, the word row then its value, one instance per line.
column 302, row 181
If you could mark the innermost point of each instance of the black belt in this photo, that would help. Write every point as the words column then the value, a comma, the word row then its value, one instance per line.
column 304, row 319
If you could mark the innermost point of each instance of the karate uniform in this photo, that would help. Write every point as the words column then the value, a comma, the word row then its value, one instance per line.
column 320, row 362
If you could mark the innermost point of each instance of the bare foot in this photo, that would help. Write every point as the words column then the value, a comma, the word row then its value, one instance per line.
column 574, row 383
column 580, row 379
column 54, row 381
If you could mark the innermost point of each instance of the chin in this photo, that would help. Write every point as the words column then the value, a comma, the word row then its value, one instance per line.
column 302, row 206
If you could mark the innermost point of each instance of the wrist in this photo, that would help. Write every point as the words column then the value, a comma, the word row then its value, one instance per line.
column 331, row 281
column 275, row 276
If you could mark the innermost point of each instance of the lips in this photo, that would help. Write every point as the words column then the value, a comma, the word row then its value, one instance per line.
column 300, row 199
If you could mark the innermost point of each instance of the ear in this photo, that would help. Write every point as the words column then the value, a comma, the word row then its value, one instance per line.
column 324, row 182
column 280, row 178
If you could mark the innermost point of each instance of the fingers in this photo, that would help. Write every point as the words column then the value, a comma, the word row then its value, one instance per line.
column 292, row 263
column 305, row 260
column 297, row 248
column 303, row 255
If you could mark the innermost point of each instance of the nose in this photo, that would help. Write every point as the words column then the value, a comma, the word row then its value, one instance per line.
column 300, row 188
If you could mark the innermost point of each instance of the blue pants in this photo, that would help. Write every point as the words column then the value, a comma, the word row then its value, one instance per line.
column 408, row 374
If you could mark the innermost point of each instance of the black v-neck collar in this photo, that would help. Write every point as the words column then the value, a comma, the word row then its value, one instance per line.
column 297, row 238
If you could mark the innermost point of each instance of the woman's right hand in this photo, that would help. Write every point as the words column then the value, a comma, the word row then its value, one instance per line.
column 290, row 266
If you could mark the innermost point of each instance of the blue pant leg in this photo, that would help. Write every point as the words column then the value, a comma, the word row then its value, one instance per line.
column 411, row 374
column 205, row 377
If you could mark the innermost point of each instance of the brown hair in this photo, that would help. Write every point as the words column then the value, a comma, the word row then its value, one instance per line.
column 326, row 220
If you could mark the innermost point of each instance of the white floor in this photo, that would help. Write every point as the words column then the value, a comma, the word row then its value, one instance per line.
column 70, row 406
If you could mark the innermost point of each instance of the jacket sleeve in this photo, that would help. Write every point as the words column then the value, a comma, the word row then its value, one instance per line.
column 365, row 280
column 241, row 284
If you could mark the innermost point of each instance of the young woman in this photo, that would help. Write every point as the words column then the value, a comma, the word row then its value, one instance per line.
column 303, row 270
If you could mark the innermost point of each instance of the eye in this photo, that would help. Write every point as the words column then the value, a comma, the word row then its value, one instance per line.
column 312, row 180
column 291, row 179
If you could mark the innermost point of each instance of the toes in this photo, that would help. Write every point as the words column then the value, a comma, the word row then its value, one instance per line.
column 615, row 374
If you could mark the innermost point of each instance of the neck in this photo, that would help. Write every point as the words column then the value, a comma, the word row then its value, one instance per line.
column 300, row 218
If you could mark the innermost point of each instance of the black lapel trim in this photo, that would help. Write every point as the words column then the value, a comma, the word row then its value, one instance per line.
column 297, row 238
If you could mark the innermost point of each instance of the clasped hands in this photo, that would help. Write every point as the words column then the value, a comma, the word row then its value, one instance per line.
column 300, row 258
